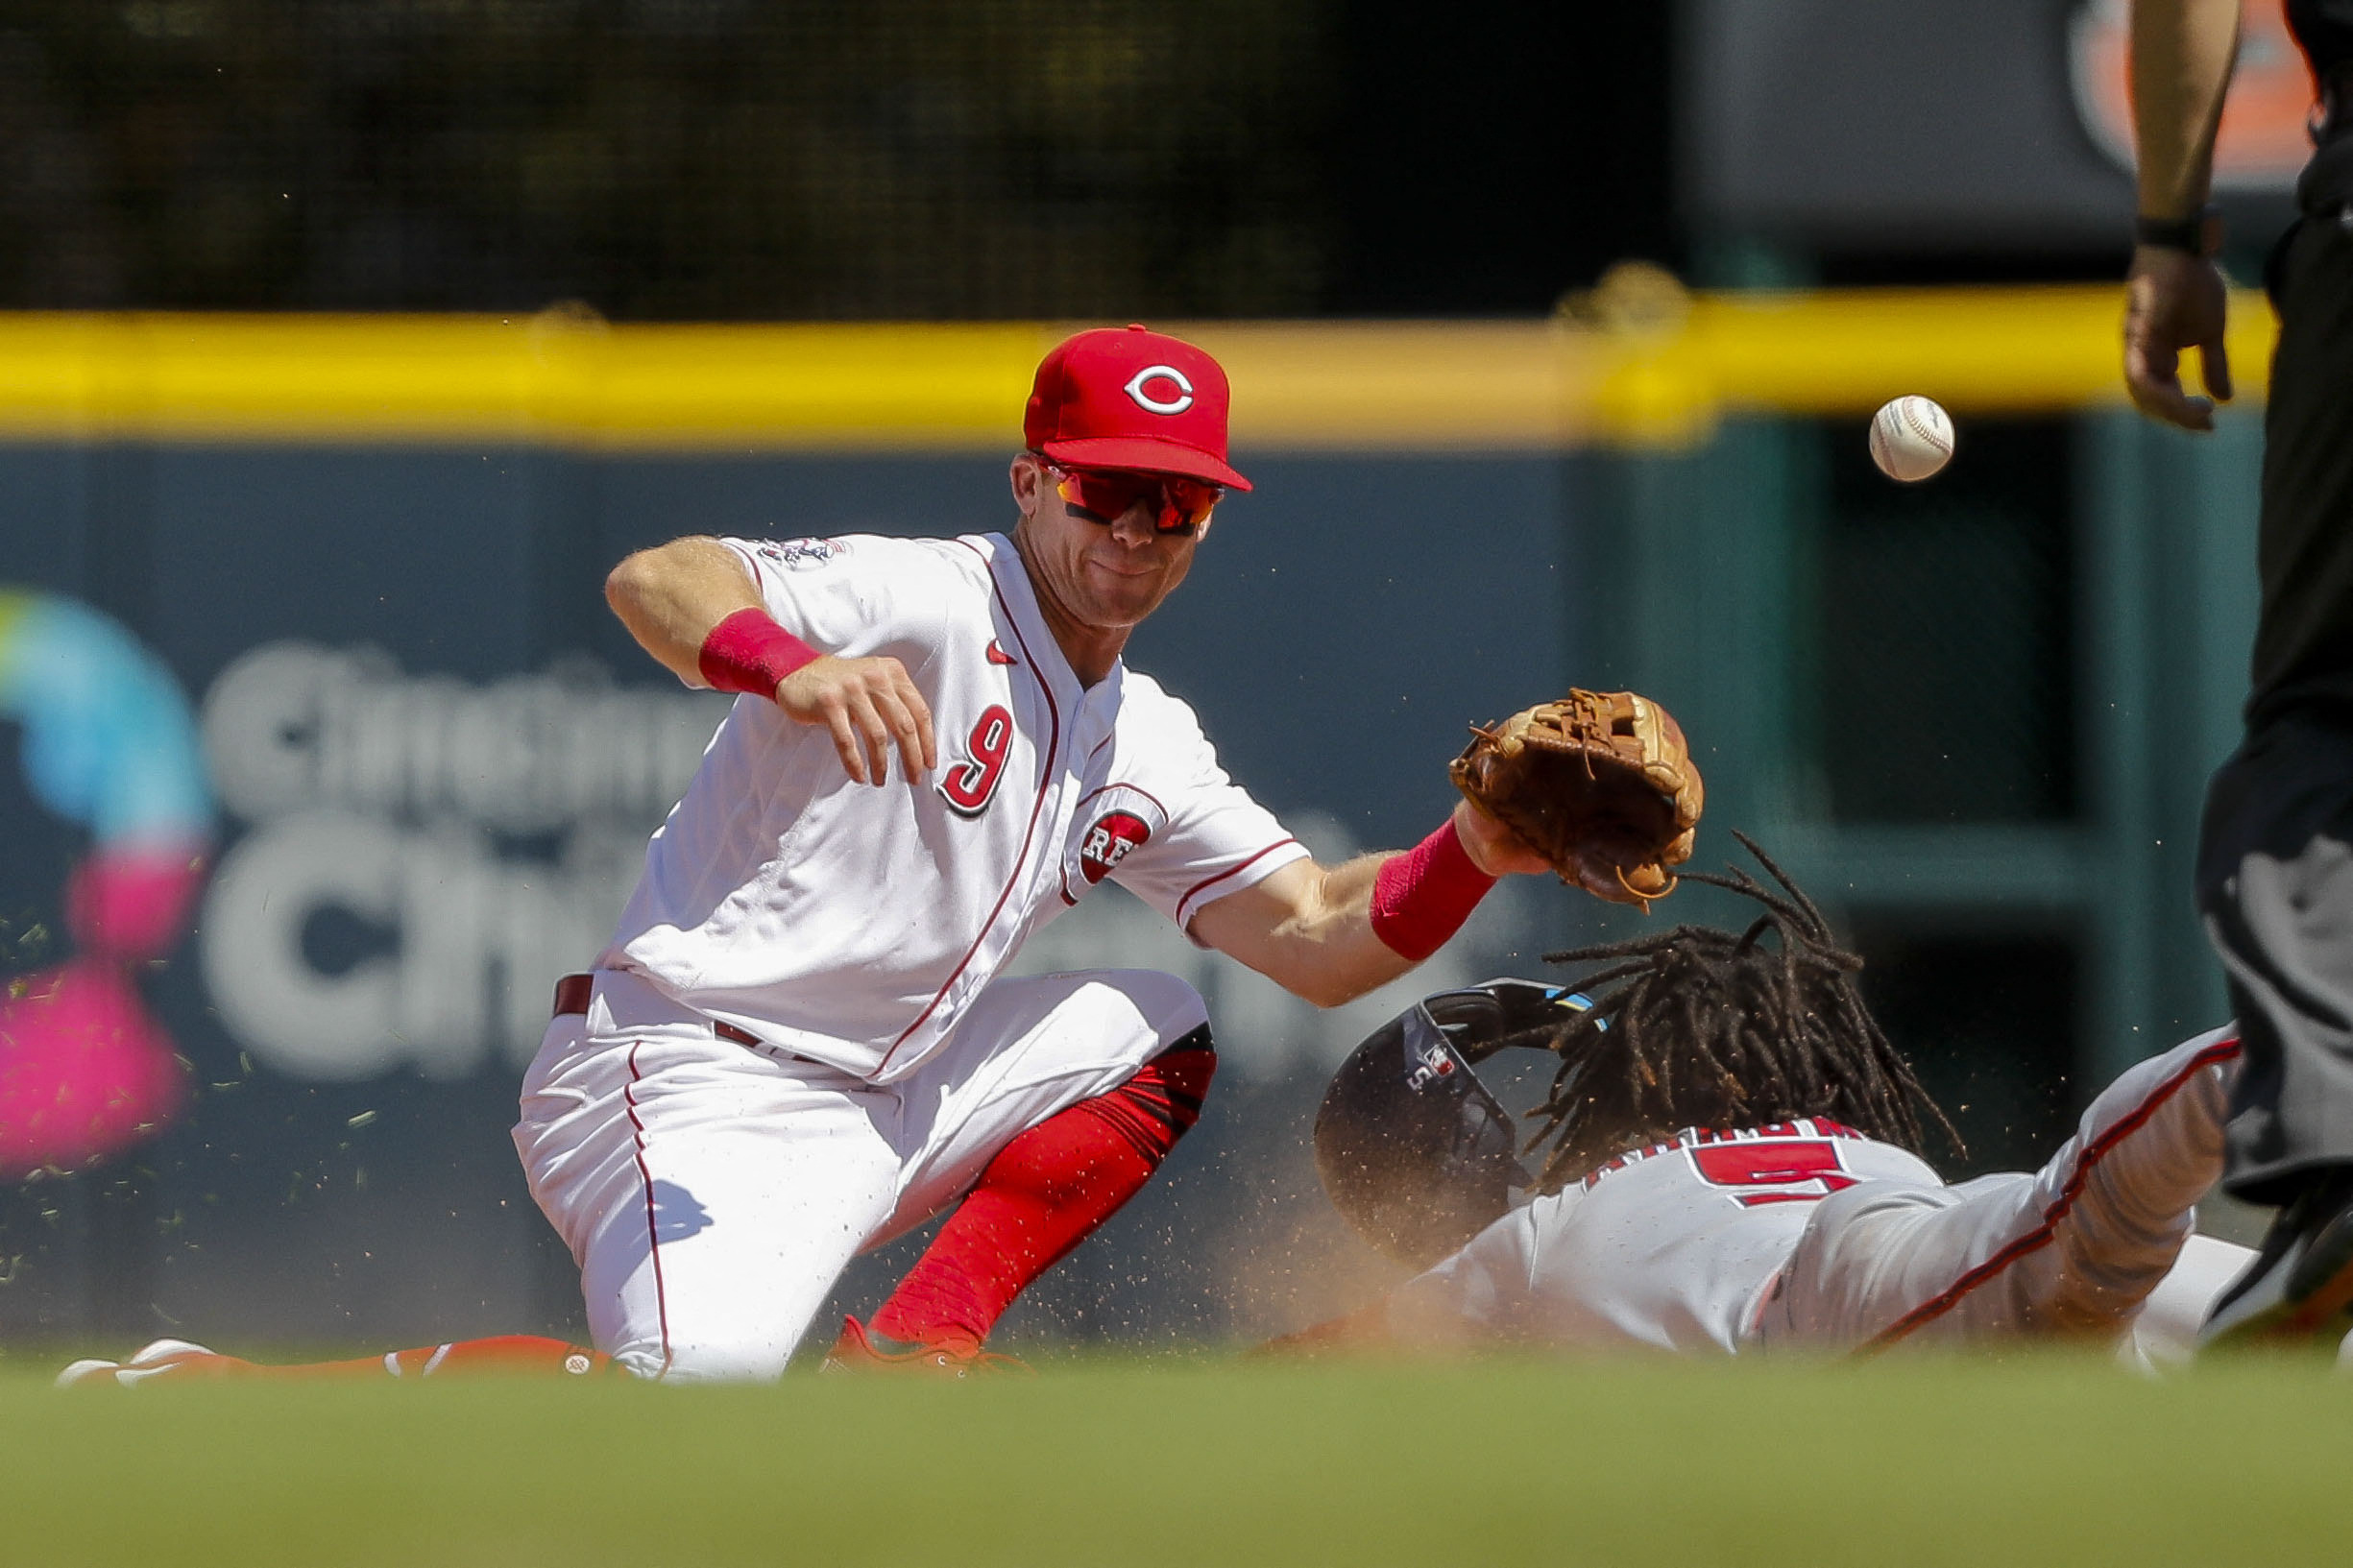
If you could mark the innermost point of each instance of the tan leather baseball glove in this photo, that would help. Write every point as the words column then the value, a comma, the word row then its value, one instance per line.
column 1600, row 783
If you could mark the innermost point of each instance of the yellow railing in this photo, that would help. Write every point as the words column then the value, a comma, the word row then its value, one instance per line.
column 1659, row 376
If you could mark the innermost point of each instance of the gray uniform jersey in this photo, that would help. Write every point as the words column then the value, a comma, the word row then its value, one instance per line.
column 1806, row 1234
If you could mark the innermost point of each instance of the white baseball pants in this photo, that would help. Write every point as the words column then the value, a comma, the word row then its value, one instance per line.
column 713, row 1193
column 2081, row 1246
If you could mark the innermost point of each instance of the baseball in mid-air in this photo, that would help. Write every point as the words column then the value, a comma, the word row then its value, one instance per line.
column 1911, row 438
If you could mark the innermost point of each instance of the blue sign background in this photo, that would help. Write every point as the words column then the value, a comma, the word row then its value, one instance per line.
column 1340, row 626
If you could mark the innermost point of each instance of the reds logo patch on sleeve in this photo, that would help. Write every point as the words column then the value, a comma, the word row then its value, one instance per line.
column 1111, row 825
column 1107, row 841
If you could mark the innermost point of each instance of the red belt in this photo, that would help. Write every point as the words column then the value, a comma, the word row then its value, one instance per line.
column 573, row 993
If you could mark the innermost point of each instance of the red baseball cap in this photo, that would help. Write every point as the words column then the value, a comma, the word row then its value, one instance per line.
column 1131, row 399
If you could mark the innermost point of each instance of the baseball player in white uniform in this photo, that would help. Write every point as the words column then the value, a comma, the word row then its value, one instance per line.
column 802, row 1041
column 1773, row 1223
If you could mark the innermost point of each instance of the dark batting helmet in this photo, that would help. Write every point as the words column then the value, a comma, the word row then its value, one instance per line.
column 1413, row 1150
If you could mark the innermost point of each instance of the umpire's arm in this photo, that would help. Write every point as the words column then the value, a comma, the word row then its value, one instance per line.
column 1309, row 928
column 2182, row 53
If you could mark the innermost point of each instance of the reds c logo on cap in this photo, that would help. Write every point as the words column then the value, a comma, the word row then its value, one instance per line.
column 1168, row 373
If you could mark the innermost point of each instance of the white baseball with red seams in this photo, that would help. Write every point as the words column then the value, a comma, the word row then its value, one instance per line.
column 711, row 1191
column 1809, row 1236
column 1911, row 439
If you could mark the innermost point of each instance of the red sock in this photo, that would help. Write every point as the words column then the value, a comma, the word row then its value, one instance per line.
column 507, row 1355
column 1043, row 1194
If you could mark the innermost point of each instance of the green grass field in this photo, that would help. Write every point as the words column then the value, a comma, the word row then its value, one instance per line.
column 2028, row 1459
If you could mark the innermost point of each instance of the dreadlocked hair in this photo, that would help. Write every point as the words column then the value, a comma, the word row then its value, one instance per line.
column 1704, row 1027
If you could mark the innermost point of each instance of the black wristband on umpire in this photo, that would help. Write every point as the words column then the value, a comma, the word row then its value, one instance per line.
column 2200, row 233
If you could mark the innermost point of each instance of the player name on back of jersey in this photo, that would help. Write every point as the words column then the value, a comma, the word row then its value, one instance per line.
column 1691, row 1138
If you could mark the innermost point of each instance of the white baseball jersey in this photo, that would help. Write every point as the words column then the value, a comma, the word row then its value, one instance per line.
column 1810, row 1234
column 854, row 925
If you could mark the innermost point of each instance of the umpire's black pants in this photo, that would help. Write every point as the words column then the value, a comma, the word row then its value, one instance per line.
column 2275, row 855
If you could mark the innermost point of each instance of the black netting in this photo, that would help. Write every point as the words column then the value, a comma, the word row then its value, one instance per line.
column 664, row 157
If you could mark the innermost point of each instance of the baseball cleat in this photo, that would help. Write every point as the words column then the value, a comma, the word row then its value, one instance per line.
column 159, row 1359
column 2300, row 1284
column 857, row 1350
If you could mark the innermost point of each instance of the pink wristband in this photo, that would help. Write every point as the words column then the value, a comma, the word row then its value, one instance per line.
column 749, row 652
column 1423, row 897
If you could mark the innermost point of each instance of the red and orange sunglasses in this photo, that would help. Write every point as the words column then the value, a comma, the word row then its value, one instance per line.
column 1178, row 505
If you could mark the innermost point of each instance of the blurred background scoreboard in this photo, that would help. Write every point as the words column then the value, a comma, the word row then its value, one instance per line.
column 349, row 344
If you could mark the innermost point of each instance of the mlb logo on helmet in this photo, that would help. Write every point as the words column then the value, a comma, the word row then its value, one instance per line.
column 1133, row 399
column 1437, row 1062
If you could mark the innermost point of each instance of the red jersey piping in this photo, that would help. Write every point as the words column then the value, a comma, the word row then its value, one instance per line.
column 1232, row 871
column 1133, row 788
column 1053, row 743
column 653, row 1229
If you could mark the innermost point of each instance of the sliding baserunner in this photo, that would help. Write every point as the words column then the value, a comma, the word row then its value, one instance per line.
column 1734, row 1164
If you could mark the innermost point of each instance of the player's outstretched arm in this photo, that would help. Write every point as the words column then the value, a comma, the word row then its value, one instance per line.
column 692, row 605
column 1475, row 1296
column 1361, row 1332
column 1331, row 934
